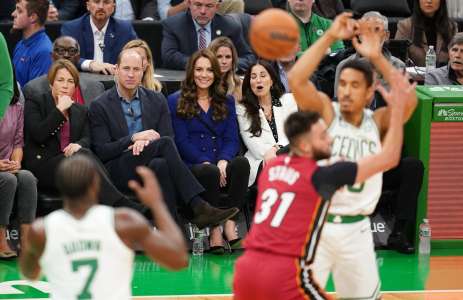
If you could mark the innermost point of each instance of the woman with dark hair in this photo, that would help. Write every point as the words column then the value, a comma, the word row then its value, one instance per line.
column 227, row 57
column 428, row 25
column 18, row 187
column 261, row 115
column 206, row 135
column 57, row 127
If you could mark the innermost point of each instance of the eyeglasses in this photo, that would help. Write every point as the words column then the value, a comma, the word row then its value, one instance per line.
column 62, row 51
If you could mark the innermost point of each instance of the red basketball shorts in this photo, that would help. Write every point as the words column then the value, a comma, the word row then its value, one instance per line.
column 264, row 276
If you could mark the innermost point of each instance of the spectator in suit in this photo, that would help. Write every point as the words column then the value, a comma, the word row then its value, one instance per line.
column 261, row 115
column 6, row 80
column 131, row 126
column 57, row 127
column 143, row 49
column 100, row 36
column 168, row 8
column 66, row 47
column 429, row 25
column 31, row 56
column 453, row 72
column 227, row 57
column 130, row 10
column 186, row 32
column 311, row 25
column 206, row 135
column 65, row 10
column 18, row 187
column 377, row 101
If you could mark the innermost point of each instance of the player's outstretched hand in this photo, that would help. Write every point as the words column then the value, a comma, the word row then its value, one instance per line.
column 343, row 27
column 401, row 94
column 149, row 192
column 369, row 35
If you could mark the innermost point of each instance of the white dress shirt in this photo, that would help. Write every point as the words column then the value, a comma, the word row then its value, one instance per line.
column 124, row 10
column 98, row 45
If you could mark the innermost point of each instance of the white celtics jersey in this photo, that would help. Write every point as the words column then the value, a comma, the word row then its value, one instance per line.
column 85, row 259
column 351, row 143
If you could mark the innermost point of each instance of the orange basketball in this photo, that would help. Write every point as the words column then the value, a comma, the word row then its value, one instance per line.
column 274, row 34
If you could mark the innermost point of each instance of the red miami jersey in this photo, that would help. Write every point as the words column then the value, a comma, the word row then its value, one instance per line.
column 292, row 204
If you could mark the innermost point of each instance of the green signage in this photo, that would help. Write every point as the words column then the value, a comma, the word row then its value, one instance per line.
column 448, row 112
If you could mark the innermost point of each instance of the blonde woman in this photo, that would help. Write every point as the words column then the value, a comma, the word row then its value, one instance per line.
column 144, row 50
column 227, row 56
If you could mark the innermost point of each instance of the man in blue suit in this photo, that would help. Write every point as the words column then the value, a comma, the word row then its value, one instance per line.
column 101, row 37
column 186, row 32
column 131, row 126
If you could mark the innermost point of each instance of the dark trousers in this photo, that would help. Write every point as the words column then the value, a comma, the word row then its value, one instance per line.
column 109, row 194
column 406, row 179
column 161, row 156
column 237, row 183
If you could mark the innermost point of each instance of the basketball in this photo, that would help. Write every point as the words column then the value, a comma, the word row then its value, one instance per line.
column 274, row 34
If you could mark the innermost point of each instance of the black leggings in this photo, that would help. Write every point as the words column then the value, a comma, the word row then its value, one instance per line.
column 232, row 195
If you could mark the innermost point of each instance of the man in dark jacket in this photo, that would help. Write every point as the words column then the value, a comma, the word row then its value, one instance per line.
column 131, row 126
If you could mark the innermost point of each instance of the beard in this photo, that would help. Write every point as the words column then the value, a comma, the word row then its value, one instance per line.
column 318, row 154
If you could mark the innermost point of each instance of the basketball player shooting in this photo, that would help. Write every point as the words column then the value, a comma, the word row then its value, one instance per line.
column 86, row 250
column 293, row 200
column 346, row 246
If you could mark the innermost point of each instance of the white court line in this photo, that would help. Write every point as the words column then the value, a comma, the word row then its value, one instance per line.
column 229, row 295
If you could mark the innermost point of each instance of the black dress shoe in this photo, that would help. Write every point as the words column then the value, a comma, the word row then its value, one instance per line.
column 400, row 243
column 206, row 215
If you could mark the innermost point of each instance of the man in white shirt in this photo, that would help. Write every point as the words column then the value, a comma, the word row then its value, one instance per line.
column 101, row 37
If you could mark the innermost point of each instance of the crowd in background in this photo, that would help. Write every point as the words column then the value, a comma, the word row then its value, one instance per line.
column 208, row 141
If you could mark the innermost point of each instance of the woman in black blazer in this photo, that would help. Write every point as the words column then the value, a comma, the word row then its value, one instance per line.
column 57, row 127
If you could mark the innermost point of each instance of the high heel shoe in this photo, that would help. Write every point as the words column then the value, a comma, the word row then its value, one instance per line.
column 8, row 254
column 216, row 250
column 236, row 244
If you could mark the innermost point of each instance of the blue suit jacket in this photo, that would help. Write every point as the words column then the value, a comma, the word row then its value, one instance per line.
column 196, row 143
column 180, row 40
column 108, row 127
column 117, row 35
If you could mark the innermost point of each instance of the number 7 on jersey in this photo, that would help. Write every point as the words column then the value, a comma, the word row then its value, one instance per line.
column 269, row 198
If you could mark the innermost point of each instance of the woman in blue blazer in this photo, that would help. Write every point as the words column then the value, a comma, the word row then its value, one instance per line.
column 206, row 135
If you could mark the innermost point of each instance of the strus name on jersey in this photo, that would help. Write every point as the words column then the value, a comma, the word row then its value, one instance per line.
column 81, row 246
column 283, row 173
column 353, row 148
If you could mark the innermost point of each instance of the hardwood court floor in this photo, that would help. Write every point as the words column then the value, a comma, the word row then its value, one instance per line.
column 407, row 277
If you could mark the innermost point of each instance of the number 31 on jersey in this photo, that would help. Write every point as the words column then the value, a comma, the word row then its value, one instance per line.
column 270, row 197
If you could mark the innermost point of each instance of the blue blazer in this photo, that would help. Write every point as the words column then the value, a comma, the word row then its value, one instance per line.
column 108, row 128
column 196, row 143
column 118, row 33
column 180, row 40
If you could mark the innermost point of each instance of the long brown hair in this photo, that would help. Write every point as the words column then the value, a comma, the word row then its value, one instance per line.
column 250, row 100
column 443, row 25
column 231, row 81
column 188, row 106
column 148, row 80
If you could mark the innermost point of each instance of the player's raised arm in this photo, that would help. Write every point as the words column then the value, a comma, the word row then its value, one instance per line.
column 166, row 245
column 401, row 92
column 305, row 93
column 34, row 244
